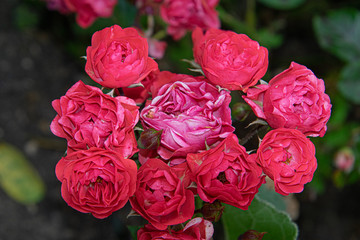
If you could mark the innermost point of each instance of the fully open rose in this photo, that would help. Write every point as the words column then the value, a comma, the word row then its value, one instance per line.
column 226, row 173
column 295, row 98
column 161, row 196
column 86, row 117
column 288, row 158
column 118, row 57
column 96, row 181
column 184, row 15
column 230, row 60
column 191, row 115
column 195, row 229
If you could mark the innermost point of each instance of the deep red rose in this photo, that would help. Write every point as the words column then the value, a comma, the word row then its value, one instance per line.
column 288, row 158
column 295, row 98
column 191, row 115
column 226, row 173
column 184, row 15
column 228, row 59
column 88, row 10
column 161, row 196
column 96, row 180
column 89, row 118
column 118, row 57
column 195, row 229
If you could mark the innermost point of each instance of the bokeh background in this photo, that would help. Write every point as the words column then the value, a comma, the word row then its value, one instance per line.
column 40, row 58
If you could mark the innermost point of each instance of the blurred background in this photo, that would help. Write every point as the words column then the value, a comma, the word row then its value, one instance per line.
column 40, row 58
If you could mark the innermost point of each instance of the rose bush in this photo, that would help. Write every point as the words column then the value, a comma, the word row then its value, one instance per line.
column 230, row 60
column 295, row 98
column 96, row 180
column 118, row 57
column 195, row 229
column 184, row 15
column 86, row 117
column 226, row 173
column 161, row 196
column 191, row 115
column 287, row 157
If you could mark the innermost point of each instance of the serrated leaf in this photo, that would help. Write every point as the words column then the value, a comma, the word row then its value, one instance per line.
column 339, row 33
column 282, row 4
column 261, row 216
column 349, row 83
column 18, row 177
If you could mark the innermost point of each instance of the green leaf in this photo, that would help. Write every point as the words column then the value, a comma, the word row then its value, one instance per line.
column 25, row 18
column 268, row 194
column 262, row 217
column 18, row 177
column 282, row 4
column 349, row 83
column 339, row 33
column 125, row 13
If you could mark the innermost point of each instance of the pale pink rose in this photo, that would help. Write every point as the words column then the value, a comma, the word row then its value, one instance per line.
column 344, row 160
column 294, row 99
column 191, row 115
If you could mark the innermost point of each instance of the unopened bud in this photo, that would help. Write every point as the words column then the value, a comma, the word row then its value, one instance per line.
column 212, row 211
column 251, row 235
column 150, row 139
column 344, row 159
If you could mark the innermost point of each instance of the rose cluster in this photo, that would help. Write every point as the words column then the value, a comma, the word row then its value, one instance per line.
column 187, row 147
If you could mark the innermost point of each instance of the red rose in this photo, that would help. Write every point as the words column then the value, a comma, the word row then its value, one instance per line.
column 288, row 158
column 161, row 196
column 195, row 229
column 230, row 60
column 191, row 115
column 184, row 15
column 89, row 118
column 87, row 10
column 96, row 181
column 295, row 99
column 225, row 173
column 118, row 57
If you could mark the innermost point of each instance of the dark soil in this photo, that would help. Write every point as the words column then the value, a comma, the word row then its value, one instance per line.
column 35, row 70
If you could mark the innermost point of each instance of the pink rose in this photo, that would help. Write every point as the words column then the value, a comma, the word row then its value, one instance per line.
column 191, row 115
column 195, row 229
column 344, row 159
column 295, row 98
column 230, row 60
column 89, row 118
column 184, row 15
column 118, row 57
column 96, row 181
column 226, row 173
column 156, row 48
column 161, row 196
column 88, row 10
column 287, row 157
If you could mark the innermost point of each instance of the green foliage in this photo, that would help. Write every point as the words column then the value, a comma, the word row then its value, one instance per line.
column 282, row 4
column 349, row 83
column 339, row 33
column 262, row 217
column 25, row 17
column 18, row 177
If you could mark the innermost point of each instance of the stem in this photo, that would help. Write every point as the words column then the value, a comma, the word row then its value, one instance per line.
column 250, row 16
column 248, row 136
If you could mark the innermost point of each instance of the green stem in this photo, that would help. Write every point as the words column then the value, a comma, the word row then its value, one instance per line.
column 250, row 16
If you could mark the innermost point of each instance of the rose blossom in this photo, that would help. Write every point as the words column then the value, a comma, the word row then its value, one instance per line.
column 295, row 98
column 96, row 180
column 88, row 10
column 196, row 229
column 191, row 114
column 161, row 196
column 226, row 173
column 183, row 15
column 87, row 117
column 287, row 157
column 118, row 57
column 228, row 59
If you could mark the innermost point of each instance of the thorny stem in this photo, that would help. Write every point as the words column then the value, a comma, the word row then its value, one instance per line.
column 251, row 134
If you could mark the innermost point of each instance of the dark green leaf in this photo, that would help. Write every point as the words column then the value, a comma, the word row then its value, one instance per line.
column 349, row 83
column 339, row 33
column 262, row 217
column 282, row 4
